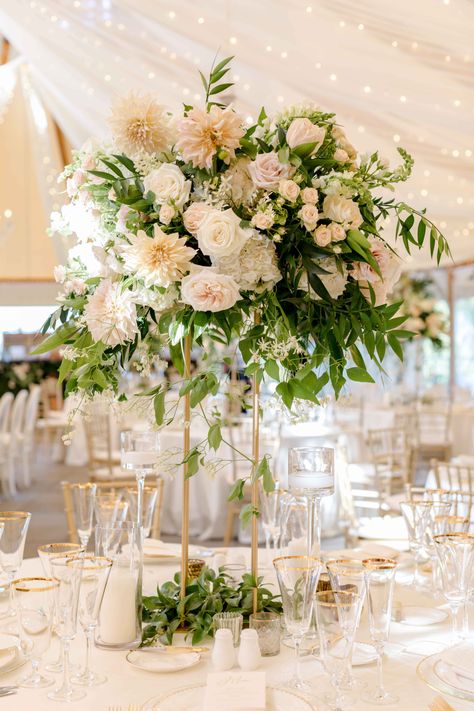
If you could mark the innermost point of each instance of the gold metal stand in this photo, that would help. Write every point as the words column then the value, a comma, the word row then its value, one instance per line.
column 186, row 448
column 255, row 485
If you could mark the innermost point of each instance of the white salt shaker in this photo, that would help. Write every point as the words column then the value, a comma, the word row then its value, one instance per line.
column 249, row 657
column 223, row 653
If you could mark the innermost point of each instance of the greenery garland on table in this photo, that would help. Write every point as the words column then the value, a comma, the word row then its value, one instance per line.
column 269, row 235
column 209, row 594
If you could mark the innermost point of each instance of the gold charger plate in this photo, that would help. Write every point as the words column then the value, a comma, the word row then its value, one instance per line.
column 426, row 672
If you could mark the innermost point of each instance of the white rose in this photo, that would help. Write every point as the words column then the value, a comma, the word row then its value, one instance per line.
column 302, row 130
column 338, row 232
column 343, row 210
column 340, row 155
column 166, row 214
column 168, row 185
column 333, row 280
column 289, row 190
column 262, row 221
column 309, row 195
column 220, row 234
column 348, row 148
column 241, row 184
column 338, row 133
column 207, row 290
column 322, row 236
column 267, row 171
column 194, row 215
column 309, row 215
column 59, row 273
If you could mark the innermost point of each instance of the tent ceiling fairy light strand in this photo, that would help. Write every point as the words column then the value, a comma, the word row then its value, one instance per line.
column 396, row 74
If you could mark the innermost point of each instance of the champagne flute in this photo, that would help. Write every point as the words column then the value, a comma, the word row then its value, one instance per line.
column 12, row 546
column 379, row 580
column 297, row 578
column 68, row 573
column 95, row 574
column 110, row 510
column 139, row 453
column 417, row 517
column 83, row 499
column 46, row 554
column 337, row 616
column 34, row 599
column 348, row 575
column 311, row 474
column 456, row 558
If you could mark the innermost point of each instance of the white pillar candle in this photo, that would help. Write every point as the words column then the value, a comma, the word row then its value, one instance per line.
column 312, row 480
column 118, row 614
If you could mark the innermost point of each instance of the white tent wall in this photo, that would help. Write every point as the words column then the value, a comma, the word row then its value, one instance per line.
column 395, row 73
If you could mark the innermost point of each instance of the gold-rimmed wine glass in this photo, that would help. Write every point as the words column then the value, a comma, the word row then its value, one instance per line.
column 455, row 553
column 83, row 500
column 34, row 600
column 12, row 546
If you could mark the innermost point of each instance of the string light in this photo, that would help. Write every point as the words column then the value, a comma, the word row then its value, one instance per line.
column 360, row 26
column 200, row 20
column 333, row 77
column 396, row 138
column 171, row 14
column 233, row 40
column 403, row 99
column 367, row 89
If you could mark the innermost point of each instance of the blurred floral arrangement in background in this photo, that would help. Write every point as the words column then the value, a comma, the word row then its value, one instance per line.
column 424, row 317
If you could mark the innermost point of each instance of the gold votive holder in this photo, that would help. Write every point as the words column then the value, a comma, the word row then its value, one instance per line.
column 195, row 567
column 324, row 583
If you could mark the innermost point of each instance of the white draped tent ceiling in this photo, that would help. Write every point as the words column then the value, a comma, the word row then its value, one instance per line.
column 395, row 73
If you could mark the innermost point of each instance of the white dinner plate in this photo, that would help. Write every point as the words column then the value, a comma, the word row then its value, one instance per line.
column 158, row 553
column 162, row 662
column 421, row 616
column 426, row 672
column 453, row 676
column 191, row 698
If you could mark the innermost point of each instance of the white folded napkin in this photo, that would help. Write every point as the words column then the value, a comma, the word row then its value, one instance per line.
column 461, row 658
column 365, row 550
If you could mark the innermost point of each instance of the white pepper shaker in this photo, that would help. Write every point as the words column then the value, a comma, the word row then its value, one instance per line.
column 249, row 656
column 223, row 652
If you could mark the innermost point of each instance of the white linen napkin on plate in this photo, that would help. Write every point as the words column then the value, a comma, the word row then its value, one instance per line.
column 461, row 658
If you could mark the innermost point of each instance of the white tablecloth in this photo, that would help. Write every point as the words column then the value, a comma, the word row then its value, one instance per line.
column 127, row 685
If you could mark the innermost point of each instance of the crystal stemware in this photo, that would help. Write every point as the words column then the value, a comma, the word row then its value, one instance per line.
column 68, row 573
column 95, row 574
column 139, row 453
column 348, row 574
column 270, row 508
column 110, row 509
column 297, row 579
column 34, row 600
column 456, row 558
column 12, row 545
column 380, row 579
column 417, row 515
column 311, row 474
column 150, row 496
column 337, row 616
column 83, row 499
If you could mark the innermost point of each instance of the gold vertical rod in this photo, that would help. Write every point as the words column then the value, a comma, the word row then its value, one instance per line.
column 5, row 51
column 186, row 448
column 255, row 485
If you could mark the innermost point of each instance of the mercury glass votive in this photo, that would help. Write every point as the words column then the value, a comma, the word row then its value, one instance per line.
column 231, row 621
column 268, row 628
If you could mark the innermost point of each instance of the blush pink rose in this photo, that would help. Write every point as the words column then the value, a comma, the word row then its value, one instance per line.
column 207, row 290
column 302, row 130
column 267, row 171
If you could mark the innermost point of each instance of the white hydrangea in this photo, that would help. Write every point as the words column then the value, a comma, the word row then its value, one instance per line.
column 333, row 280
column 256, row 268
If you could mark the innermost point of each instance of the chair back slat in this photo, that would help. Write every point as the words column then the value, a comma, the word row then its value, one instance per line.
column 5, row 411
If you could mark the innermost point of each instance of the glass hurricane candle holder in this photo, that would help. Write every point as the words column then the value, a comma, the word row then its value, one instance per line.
column 268, row 627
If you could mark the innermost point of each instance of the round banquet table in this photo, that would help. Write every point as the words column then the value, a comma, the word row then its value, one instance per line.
column 128, row 685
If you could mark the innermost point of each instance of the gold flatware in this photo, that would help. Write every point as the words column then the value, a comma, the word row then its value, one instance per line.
column 174, row 650
column 439, row 704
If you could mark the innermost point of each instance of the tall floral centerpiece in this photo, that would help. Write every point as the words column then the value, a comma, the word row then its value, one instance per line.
column 196, row 224
column 423, row 316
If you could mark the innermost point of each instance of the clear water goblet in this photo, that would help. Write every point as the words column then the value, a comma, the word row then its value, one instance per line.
column 150, row 496
column 456, row 560
column 34, row 601
column 68, row 574
column 337, row 616
column 83, row 500
column 348, row 575
column 12, row 546
column 311, row 474
column 297, row 579
column 95, row 574
column 110, row 509
column 139, row 454
column 380, row 580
